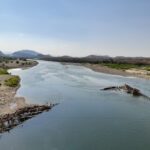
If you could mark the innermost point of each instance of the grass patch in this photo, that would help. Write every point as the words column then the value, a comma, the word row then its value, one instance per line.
column 13, row 81
column 122, row 66
column 3, row 71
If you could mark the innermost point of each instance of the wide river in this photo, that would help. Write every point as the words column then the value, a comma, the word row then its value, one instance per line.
column 86, row 118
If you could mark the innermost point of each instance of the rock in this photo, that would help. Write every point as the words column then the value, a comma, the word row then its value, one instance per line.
column 111, row 88
column 128, row 89
column 9, row 121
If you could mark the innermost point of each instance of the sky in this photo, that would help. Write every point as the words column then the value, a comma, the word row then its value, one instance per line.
column 76, row 27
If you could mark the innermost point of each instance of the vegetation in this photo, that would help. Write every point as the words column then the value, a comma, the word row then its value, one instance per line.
column 148, row 68
column 3, row 71
column 120, row 63
column 6, row 59
column 13, row 81
column 100, row 59
column 13, row 62
column 121, row 66
column 17, row 62
column 23, row 59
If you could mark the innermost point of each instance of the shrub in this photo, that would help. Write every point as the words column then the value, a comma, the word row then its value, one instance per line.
column 3, row 71
column 13, row 81
column 148, row 74
column 17, row 62
column 23, row 59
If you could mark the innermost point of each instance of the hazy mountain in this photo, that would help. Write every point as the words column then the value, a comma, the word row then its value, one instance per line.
column 1, row 53
column 27, row 54
column 97, row 56
column 66, row 56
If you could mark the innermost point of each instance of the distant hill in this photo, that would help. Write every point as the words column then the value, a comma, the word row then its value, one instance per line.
column 93, row 59
column 97, row 56
column 28, row 54
column 1, row 53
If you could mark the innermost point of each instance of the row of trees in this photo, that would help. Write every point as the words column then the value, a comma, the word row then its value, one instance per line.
column 97, row 60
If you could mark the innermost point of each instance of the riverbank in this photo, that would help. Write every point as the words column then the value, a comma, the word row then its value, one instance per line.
column 17, row 63
column 14, row 110
column 139, row 73
column 8, row 102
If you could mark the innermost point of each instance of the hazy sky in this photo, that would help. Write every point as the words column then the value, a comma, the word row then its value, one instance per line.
column 76, row 27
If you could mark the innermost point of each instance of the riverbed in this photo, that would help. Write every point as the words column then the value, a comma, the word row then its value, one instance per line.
column 86, row 118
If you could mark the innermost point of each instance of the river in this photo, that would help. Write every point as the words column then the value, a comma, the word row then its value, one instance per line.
column 86, row 118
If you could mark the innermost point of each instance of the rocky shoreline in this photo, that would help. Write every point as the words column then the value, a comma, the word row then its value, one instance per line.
column 9, row 121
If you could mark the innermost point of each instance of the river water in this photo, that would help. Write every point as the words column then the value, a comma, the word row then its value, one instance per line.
column 86, row 118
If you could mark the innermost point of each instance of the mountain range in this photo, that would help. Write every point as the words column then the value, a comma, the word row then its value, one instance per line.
column 33, row 54
column 1, row 53
column 30, row 54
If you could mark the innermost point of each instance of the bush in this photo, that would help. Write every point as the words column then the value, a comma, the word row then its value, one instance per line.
column 17, row 62
column 3, row 71
column 23, row 59
column 13, row 81
column 148, row 74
